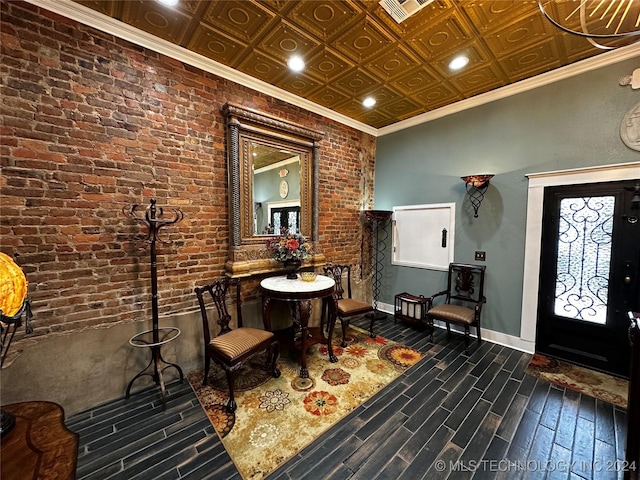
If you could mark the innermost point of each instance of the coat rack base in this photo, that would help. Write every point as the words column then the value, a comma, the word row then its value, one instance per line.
column 154, row 340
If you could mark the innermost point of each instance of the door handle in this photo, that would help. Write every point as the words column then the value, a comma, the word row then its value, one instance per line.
column 627, row 280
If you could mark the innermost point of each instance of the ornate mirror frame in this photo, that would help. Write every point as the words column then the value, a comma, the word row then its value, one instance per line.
column 248, row 254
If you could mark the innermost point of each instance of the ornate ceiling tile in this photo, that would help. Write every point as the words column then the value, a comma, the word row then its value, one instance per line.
column 446, row 35
column 357, row 82
column 385, row 95
column 438, row 96
column 363, row 40
column 110, row 8
column 299, row 83
column 328, row 96
column 216, row 45
column 527, row 31
column 169, row 24
column 191, row 6
column 263, row 67
column 354, row 109
column 403, row 108
column 242, row 20
column 527, row 62
column 479, row 80
column 327, row 65
column 476, row 53
column 487, row 17
column 415, row 80
column 285, row 40
column 324, row 18
column 376, row 118
column 393, row 62
column 353, row 48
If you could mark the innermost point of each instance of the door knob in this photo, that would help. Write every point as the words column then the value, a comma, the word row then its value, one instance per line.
column 627, row 280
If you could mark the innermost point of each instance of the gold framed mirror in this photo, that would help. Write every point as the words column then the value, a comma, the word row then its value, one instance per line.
column 273, row 185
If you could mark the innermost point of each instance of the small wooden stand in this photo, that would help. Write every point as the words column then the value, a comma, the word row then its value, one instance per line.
column 411, row 308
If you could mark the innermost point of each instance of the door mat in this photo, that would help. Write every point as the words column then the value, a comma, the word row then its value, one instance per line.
column 589, row 382
column 278, row 417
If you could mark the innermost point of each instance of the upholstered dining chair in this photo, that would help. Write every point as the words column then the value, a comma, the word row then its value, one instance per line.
column 348, row 307
column 231, row 348
column 463, row 300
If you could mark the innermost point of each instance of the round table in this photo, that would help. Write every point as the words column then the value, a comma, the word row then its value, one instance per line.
column 288, row 290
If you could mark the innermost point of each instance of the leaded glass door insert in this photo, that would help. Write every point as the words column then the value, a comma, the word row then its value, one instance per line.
column 588, row 274
column 584, row 257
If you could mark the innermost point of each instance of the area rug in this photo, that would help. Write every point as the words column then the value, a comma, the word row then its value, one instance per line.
column 595, row 384
column 278, row 417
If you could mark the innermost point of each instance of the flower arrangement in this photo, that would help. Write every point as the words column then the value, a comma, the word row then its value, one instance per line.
column 289, row 246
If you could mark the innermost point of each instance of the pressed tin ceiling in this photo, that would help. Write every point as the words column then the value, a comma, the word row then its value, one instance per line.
column 354, row 49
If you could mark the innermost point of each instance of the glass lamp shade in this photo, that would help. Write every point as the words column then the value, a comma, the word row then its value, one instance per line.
column 477, row 181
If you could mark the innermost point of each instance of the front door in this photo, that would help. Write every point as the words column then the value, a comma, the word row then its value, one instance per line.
column 286, row 219
column 589, row 274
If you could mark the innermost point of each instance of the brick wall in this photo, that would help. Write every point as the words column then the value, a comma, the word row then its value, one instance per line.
column 92, row 124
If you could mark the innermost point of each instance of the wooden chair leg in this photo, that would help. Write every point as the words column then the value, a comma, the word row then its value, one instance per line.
column 274, row 350
column 448, row 330
column 345, row 323
column 466, row 339
column 207, row 364
column 231, row 404
column 478, row 334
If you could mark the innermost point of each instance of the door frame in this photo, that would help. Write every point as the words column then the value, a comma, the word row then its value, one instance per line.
column 533, row 234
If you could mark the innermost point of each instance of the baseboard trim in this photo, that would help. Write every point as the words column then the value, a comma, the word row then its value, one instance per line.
column 492, row 336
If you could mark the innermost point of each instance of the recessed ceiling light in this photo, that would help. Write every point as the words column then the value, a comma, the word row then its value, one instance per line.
column 369, row 102
column 296, row 63
column 169, row 3
column 458, row 62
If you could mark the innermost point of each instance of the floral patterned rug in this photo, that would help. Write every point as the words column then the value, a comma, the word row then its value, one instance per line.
column 278, row 417
column 595, row 384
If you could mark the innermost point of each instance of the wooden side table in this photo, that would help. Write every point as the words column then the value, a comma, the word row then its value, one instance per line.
column 39, row 446
column 301, row 292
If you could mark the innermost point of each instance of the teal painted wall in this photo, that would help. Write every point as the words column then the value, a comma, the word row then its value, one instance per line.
column 569, row 124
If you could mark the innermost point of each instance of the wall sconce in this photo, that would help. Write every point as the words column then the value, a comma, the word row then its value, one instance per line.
column 476, row 186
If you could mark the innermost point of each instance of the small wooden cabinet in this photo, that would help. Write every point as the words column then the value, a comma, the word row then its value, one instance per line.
column 410, row 308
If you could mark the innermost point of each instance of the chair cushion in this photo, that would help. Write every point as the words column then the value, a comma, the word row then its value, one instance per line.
column 453, row 313
column 239, row 341
column 350, row 306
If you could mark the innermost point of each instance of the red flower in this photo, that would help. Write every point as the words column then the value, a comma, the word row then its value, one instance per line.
column 292, row 244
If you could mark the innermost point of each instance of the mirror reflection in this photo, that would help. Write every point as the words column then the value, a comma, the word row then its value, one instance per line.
column 276, row 190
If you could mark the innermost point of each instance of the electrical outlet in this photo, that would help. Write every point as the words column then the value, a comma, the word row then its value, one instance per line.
column 481, row 256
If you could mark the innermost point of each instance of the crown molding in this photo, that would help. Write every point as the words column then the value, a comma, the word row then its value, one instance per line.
column 94, row 19
column 586, row 65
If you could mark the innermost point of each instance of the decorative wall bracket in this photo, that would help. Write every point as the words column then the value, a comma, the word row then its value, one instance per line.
column 476, row 187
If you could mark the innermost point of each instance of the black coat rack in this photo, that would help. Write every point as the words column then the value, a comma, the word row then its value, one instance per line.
column 154, row 218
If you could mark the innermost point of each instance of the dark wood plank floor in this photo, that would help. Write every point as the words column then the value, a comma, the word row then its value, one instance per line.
column 456, row 416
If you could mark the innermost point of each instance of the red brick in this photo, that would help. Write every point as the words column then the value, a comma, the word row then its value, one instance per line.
column 101, row 145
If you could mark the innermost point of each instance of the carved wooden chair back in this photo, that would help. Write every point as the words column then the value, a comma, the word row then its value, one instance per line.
column 231, row 348
column 463, row 299
column 347, row 306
